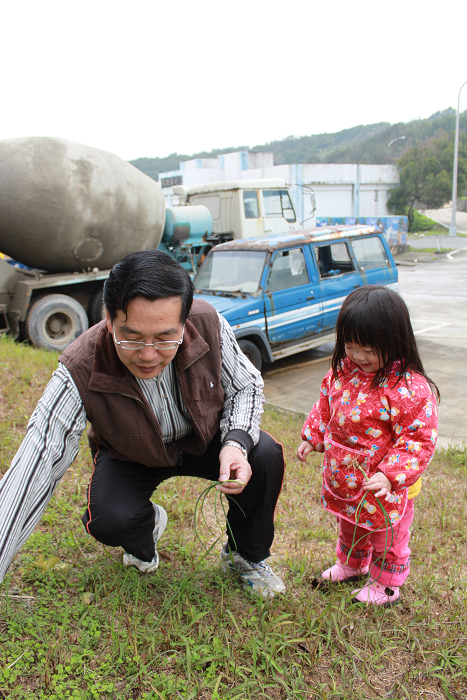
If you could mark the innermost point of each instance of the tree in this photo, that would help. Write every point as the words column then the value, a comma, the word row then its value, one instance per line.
column 426, row 175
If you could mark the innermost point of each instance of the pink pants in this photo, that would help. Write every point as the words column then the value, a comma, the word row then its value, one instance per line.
column 392, row 568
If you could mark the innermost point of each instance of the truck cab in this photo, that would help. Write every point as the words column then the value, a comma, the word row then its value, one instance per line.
column 244, row 208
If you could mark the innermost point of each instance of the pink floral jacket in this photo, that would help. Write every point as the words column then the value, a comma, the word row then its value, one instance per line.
column 392, row 429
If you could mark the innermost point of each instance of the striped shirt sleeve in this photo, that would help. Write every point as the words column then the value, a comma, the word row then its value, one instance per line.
column 48, row 449
column 243, row 388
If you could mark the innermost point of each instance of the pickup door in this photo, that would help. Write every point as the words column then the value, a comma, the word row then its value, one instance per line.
column 292, row 299
column 338, row 275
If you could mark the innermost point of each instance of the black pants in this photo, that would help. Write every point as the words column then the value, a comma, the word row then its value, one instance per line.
column 120, row 514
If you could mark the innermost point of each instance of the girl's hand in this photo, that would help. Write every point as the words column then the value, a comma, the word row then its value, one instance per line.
column 380, row 483
column 306, row 447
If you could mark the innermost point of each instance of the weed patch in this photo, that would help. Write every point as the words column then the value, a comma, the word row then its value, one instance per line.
column 75, row 624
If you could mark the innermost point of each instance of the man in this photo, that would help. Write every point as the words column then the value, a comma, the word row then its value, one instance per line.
column 167, row 392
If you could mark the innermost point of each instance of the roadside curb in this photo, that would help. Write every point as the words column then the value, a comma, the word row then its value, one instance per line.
column 453, row 252
column 286, row 411
column 403, row 259
column 445, row 443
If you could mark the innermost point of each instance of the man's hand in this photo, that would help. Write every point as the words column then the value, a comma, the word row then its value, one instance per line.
column 233, row 465
column 379, row 483
column 306, row 447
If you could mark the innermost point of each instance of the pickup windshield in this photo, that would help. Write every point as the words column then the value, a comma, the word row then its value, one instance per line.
column 233, row 271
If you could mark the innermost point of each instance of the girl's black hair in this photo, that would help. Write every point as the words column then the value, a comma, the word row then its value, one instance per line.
column 376, row 317
column 150, row 274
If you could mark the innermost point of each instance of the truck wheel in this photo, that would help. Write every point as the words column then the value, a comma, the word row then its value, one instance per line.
column 53, row 321
column 96, row 311
column 252, row 352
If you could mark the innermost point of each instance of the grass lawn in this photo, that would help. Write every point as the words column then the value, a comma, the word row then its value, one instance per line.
column 75, row 624
column 435, row 251
column 436, row 230
column 423, row 225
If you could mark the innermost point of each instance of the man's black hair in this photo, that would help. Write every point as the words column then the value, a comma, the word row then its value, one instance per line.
column 376, row 317
column 148, row 274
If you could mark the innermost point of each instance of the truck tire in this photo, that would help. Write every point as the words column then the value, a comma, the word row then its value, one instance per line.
column 96, row 311
column 53, row 321
column 252, row 352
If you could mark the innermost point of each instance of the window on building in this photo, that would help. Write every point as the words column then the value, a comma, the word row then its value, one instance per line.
column 171, row 181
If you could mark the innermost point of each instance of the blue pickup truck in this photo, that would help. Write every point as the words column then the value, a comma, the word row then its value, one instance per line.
column 282, row 293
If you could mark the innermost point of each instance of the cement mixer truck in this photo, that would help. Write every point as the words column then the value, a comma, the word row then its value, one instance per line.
column 68, row 213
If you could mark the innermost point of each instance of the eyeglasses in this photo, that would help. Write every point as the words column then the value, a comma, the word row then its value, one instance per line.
column 139, row 345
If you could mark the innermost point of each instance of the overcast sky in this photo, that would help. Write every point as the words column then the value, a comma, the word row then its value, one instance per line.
column 152, row 77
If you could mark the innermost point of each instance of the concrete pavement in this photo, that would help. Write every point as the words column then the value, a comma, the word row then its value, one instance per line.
column 440, row 242
column 435, row 290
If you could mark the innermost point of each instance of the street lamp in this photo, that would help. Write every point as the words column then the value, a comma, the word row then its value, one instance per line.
column 453, row 226
column 398, row 138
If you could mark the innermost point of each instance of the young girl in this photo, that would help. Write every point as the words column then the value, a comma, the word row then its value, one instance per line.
column 376, row 422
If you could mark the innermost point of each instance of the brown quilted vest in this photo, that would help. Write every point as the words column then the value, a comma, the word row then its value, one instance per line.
column 120, row 416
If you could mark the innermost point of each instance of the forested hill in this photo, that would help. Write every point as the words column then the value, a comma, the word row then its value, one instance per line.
column 360, row 144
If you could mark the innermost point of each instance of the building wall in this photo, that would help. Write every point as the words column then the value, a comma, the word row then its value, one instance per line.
column 341, row 190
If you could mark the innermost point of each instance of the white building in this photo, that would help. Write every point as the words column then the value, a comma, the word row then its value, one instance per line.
column 341, row 190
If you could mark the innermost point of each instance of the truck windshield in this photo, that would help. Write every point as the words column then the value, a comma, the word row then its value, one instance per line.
column 231, row 271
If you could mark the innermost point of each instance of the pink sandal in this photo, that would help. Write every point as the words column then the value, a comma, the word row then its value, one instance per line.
column 342, row 572
column 377, row 594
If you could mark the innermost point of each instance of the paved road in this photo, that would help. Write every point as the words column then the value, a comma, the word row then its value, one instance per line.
column 436, row 294
column 443, row 216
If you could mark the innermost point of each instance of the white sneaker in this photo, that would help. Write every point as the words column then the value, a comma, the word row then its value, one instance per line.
column 257, row 578
column 160, row 523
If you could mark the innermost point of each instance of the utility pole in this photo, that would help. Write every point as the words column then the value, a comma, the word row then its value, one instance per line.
column 453, row 226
